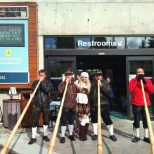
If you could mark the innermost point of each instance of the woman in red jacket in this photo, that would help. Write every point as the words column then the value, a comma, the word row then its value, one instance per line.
column 138, row 102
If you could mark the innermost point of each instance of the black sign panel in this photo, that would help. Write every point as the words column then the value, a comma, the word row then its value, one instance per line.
column 12, row 35
column 13, row 12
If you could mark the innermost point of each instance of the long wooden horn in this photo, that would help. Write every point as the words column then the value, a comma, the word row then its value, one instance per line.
column 52, row 144
column 148, row 119
column 99, row 141
column 7, row 144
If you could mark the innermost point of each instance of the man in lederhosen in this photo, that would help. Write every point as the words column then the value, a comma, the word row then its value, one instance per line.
column 68, row 111
column 105, row 90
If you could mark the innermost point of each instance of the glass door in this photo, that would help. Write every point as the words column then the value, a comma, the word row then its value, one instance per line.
column 56, row 67
column 132, row 63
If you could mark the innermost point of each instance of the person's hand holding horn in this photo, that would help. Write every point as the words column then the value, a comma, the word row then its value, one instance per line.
column 141, row 77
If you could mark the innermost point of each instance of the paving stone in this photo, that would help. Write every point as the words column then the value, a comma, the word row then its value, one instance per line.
column 123, row 130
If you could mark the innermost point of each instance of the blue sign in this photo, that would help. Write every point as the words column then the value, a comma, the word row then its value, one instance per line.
column 6, row 78
column 14, row 67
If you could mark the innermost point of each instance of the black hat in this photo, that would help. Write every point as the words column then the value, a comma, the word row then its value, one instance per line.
column 97, row 72
column 68, row 72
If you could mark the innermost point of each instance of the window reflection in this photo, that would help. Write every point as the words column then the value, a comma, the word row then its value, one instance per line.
column 57, row 70
column 100, row 42
column 140, row 42
column 146, row 65
column 59, row 43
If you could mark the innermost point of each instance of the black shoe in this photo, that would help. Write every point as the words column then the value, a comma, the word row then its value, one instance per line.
column 146, row 139
column 72, row 138
column 94, row 137
column 45, row 138
column 113, row 138
column 135, row 139
column 62, row 140
column 32, row 141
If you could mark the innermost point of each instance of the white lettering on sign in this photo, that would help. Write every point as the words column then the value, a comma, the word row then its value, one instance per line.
column 2, row 77
column 120, row 43
column 93, row 43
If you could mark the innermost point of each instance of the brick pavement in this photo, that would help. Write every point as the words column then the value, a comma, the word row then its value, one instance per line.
column 123, row 131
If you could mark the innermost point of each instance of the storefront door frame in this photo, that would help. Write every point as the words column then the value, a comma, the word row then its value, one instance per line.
column 128, row 74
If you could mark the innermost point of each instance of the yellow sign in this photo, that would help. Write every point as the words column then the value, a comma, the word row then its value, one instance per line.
column 8, row 53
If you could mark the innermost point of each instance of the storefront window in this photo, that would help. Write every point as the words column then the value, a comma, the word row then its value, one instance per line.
column 140, row 42
column 100, row 42
column 145, row 64
column 97, row 42
column 59, row 43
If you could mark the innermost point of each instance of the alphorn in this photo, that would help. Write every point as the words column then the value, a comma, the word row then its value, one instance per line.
column 7, row 144
column 148, row 119
column 99, row 140
column 52, row 144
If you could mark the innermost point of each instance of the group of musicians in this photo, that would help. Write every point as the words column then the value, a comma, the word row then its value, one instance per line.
column 82, row 99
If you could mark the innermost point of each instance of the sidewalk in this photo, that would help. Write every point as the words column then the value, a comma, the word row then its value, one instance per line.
column 123, row 131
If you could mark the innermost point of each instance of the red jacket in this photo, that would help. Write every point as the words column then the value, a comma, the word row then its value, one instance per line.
column 136, row 91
